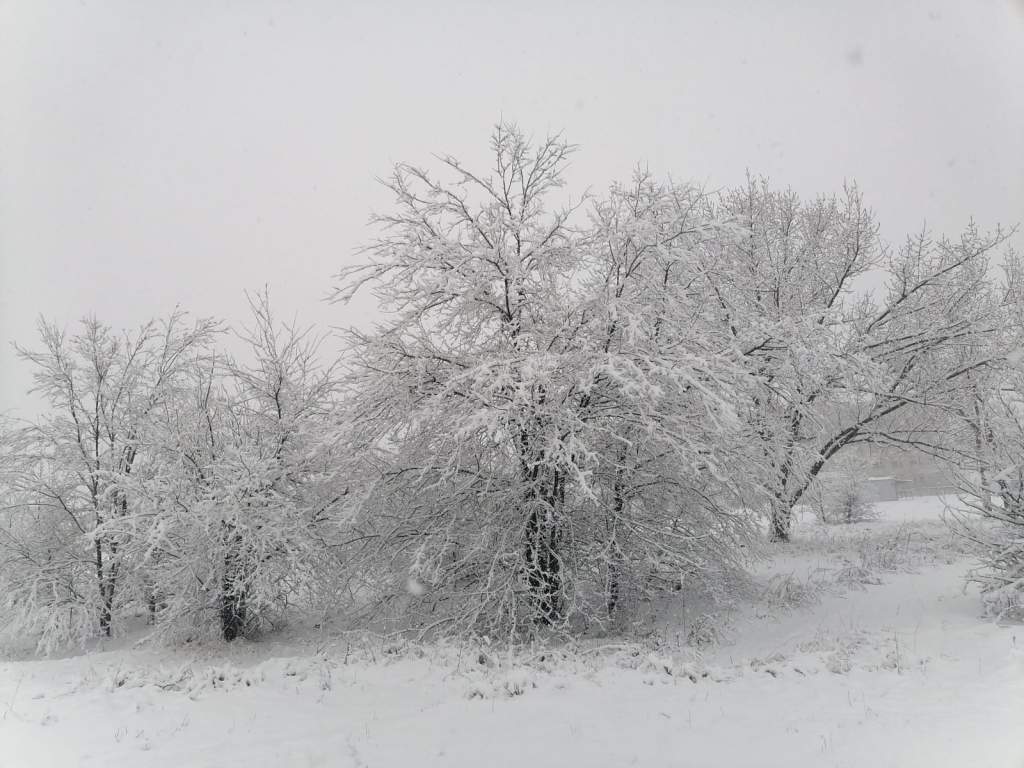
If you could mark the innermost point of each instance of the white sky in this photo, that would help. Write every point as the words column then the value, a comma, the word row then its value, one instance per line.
column 180, row 152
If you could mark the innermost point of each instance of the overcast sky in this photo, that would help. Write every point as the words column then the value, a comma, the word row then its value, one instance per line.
column 179, row 152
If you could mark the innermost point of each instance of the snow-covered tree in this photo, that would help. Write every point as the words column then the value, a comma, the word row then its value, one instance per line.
column 549, row 420
column 987, row 428
column 64, row 567
column 673, row 490
column 837, row 496
column 990, row 514
column 567, row 408
column 837, row 369
column 782, row 280
column 168, row 478
column 238, row 521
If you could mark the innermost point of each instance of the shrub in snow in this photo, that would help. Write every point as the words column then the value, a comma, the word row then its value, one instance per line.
column 1004, row 601
column 517, row 681
column 510, row 684
column 838, row 662
column 851, row 507
column 997, row 540
column 989, row 513
column 890, row 552
column 838, row 498
column 658, row 663
column 479, row 689
column 788, row 591
column 856, row 576
column 704, row 630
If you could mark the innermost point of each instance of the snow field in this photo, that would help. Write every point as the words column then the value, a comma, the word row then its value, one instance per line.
column 858, row 647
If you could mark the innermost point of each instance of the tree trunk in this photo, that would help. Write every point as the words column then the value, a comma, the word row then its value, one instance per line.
column 105, row 617
column 232, row 614
column 543, row 565
column 107, row 610
column 543, row 568
column 106, row 577
column 232, row 610
column 233, row 604
column 614, row 575
column 615, row 557
column 781, row 520
column 785, row 500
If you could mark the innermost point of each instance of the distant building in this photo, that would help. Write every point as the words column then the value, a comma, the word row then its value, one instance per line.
column 879, row 489
column 874, row 489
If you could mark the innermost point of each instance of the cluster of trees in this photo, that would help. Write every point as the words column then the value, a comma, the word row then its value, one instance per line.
column 168, row 479
column 565, row 408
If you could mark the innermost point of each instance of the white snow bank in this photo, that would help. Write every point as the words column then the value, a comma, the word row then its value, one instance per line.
column 902, row 673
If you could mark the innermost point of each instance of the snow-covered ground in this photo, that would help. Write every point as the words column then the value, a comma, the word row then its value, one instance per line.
column 859, row 647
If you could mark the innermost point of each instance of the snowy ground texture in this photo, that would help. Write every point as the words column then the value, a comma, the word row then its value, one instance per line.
column 859, row 647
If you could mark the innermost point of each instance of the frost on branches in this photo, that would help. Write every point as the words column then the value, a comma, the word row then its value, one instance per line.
column 67, row 564
column 568, row 409
column 556, row 430
column 834, row 369
column 251, row 485
column 989, row 429
column 169, row 481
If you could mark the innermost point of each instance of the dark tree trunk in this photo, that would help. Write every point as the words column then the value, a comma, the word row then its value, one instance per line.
column 106, row 575
column 780, row 523
column 107, row 610
column 614, row 568
column 543, row 568
column 543, row 564
column 101, row 585
column 783, row 505
column 106, row 617
column 233, row 604
column 232, row 614
column 615, row 557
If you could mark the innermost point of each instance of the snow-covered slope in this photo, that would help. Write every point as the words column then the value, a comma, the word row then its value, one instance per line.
column 860, row 648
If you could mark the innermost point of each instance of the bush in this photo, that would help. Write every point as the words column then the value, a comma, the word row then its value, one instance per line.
column 844, row 505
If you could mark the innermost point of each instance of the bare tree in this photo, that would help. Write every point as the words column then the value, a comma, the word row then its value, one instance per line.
column 66, row 544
